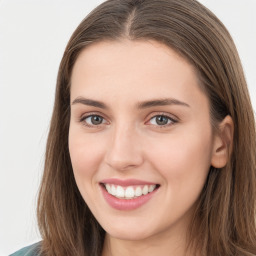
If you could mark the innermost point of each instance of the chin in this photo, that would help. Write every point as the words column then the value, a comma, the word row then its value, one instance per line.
column 128, row 235
column 130, row 232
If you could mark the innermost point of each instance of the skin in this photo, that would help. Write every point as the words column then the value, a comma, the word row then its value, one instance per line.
column 130, row 144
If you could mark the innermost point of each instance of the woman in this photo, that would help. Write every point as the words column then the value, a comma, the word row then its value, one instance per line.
column 151, row 149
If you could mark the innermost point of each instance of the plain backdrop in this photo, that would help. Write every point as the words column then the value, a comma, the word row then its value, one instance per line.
column 33, row 35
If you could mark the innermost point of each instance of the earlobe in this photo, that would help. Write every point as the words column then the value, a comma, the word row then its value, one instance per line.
column 223, row 142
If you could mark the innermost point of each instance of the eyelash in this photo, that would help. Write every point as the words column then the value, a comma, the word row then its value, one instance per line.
column 82, row 120
column 171, row 120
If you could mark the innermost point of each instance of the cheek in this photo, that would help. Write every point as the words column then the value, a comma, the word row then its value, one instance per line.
column 86, row 155
column 183, row 161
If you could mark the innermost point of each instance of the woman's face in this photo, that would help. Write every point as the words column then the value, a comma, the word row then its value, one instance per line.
column 140, row 138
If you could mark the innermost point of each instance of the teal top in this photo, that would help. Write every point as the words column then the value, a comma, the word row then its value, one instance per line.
column 31, row 250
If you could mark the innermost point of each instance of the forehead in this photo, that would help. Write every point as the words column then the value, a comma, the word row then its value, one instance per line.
column 137, row 69
column 122, row 53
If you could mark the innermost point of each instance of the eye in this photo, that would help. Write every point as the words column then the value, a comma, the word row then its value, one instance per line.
column 93, row 120
column 161, row 120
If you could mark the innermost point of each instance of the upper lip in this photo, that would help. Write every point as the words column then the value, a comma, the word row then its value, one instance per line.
column 127, row 182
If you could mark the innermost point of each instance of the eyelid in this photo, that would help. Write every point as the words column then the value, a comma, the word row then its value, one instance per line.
column 173, row 119
column 84, row 116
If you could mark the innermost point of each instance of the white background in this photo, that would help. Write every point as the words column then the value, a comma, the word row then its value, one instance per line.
column 33, row 35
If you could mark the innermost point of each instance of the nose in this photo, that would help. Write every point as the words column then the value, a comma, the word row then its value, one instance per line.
column 124, row 151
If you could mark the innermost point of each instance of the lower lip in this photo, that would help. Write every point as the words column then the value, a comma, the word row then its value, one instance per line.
column 126, row 204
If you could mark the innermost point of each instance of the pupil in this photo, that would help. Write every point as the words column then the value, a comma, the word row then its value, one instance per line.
column 161, row 120
column 96, row 120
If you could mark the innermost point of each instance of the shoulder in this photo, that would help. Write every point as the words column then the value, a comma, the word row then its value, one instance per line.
column 31, row 250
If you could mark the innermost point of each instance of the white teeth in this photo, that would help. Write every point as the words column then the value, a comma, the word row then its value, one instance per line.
column 108, row 187
column 129, row 192
column 119, row 191
column 145, row 190
column 113, row 190
column 151, row 188
column 138, row 191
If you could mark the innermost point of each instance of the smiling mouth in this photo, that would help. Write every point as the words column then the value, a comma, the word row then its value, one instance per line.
column 129, row 192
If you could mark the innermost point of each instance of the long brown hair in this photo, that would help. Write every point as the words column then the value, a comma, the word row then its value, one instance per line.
column 224, row 221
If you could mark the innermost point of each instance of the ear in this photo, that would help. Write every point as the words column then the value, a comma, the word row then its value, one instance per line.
column 223, row 143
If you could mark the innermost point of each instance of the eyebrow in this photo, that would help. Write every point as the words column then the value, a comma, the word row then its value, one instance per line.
column 161, row 102
column 140, row 105
column 89, row 102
